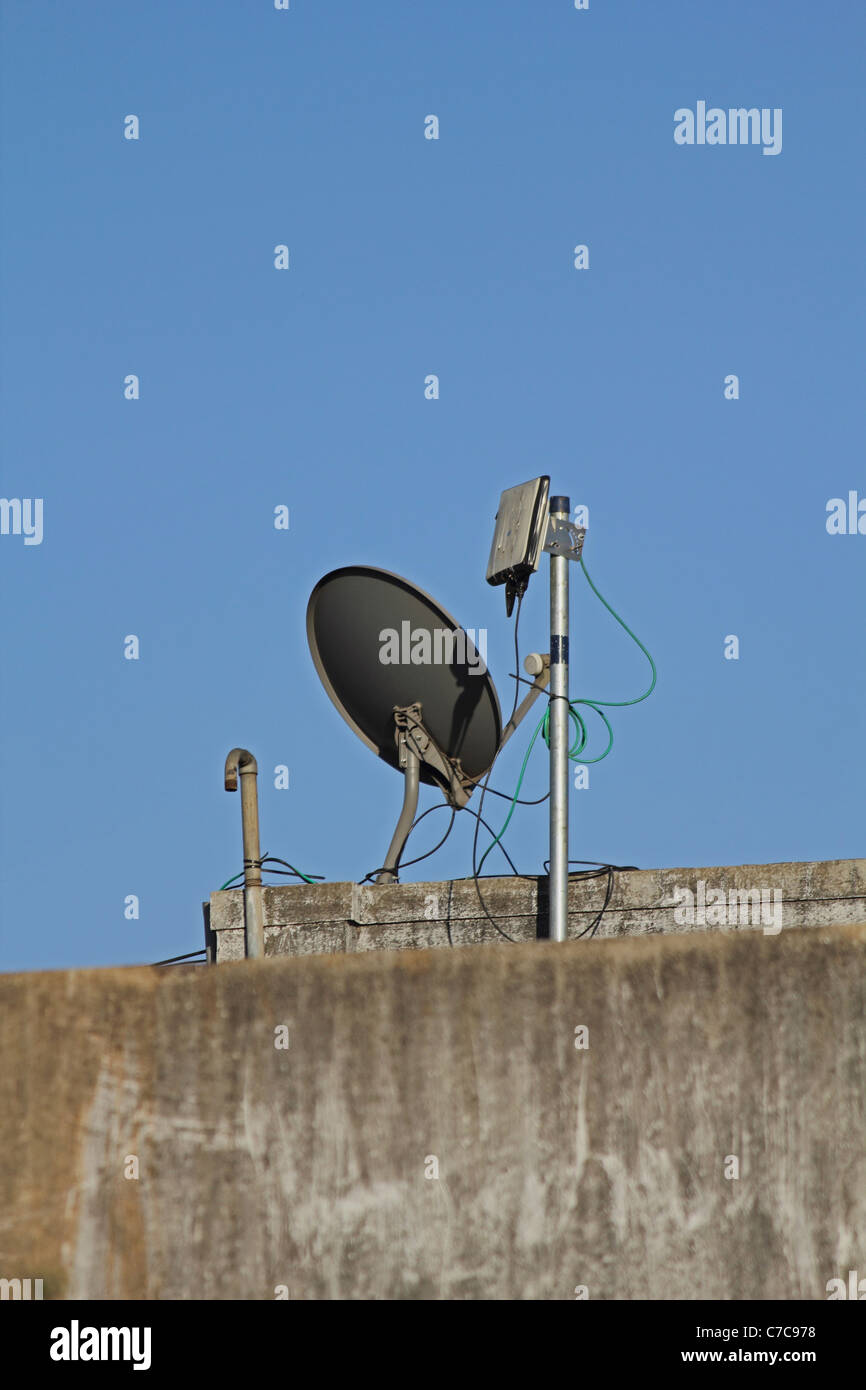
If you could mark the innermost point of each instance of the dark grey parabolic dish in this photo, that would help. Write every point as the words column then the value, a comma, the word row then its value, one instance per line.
column 347, row 611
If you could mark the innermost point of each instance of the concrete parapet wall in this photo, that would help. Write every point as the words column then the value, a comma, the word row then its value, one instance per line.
column 311, row 1167
column 321, row 918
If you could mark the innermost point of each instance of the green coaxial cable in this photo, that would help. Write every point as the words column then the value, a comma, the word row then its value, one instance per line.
column 581, row 735
column 271, row 859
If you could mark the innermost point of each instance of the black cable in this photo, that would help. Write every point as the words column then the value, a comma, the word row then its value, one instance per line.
column 416, row 821
column 523, row 680
column 515, row 872
column 596, row 872
column 518, row 801
column 475, row 866
column 517, row 677
column 420, row 857
column 374, row 872
column 467, row 878
column 440, row 806
column 443, row 806
column 591, row 930
column 172, row 960
column 599, row 865
column 479, row 820
column 504, row 795
column 272, row 859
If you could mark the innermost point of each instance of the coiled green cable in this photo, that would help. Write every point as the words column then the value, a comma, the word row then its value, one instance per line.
column 581, row 735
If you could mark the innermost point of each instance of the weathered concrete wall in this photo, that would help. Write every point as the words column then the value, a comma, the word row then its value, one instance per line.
column 302, row 919
column 558, row 1167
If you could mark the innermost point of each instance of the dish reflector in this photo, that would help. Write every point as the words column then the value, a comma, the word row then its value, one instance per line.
column 355, row 617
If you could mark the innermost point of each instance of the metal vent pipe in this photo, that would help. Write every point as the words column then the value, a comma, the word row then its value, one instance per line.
column 240, row 759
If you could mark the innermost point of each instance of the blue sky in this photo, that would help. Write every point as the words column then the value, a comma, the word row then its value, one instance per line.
column 305, row 387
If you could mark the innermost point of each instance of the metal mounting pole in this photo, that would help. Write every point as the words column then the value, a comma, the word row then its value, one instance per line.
column 411, row 764
column 412, row 741
column 560, row 510
column 254, row 917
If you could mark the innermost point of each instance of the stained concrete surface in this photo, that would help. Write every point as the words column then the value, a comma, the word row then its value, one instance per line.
column 310, row 1170
column 315, row 918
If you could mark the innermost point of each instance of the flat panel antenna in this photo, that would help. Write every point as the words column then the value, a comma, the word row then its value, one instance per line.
column 518, row 538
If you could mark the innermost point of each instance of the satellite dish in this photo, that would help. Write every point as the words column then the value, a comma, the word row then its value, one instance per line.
column 348, row 613
column 411, row 684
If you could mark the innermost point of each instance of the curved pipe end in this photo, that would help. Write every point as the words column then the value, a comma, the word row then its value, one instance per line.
column 238, row 759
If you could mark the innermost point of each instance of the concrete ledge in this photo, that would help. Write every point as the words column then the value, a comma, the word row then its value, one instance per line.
column 311, row 1167
column 347, row 917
